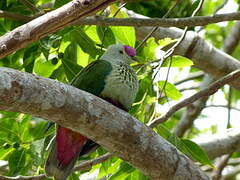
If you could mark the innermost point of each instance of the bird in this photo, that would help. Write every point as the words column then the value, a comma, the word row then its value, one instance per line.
column 111, row 78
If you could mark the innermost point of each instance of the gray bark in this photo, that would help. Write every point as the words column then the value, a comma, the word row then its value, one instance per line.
column 112, row 128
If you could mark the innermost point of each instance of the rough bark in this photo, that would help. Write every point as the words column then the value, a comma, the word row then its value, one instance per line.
column 205, row 57
column 221, row 143
column 49, row 23
column 114, row 129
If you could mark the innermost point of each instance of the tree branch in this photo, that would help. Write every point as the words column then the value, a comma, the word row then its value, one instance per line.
column 15, row 16
column 83, row 166
column 205, row 92
column 205, row 57
column 88, row 164
column 30, row 6
column 112, row 128
column 193, row 110
column 162, row 22
column 222, row 106
column 220, row 143
column 192, row 76
column 49, row 23
column 217, row 173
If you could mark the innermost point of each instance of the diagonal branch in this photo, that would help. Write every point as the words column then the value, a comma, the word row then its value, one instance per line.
column 49, row 23
column 193, row 111
column 205, row 92
column 15, row 16
column 112, row 128
column 29, row 5
column 224, row 142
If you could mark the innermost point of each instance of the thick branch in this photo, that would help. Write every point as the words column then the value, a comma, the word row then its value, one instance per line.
column 232, row 39
column 102, row 122
column 221, row 143
column 205, row 57
column 196, row 108
column 49, row 23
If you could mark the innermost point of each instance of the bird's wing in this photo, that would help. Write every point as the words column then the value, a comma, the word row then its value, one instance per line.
column 92, row 78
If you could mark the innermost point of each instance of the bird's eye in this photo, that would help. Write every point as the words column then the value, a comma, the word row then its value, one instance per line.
column 121, row 52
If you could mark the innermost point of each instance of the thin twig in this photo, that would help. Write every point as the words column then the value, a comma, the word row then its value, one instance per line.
column 30, row 6
column 15, row 16
column 155, row 28
column 37, row 177
column 222, row 106
column 205, row 92
column 229, row 107
column 190, row 77
column 88, row 164
column 220, row 6
column 83, row 166
column 217, row 173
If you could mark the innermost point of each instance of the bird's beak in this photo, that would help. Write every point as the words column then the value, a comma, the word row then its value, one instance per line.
column 135, row 59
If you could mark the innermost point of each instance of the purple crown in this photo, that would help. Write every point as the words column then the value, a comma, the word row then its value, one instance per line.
column 130, row 51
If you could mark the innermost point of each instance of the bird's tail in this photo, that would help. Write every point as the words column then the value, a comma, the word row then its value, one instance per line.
column 65, row 150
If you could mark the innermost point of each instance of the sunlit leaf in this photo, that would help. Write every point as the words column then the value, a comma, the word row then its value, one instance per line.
column 177, row 61
column 195, row 152
column 150, row 49
column 123, row 35
column 85, row 42
column 124, row 171
column 17, row 160
column 170, row 90
column 106, row 35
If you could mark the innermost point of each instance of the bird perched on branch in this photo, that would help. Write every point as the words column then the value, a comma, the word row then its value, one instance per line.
column 111, row 78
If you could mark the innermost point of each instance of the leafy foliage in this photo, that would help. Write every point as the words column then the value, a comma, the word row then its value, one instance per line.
column 60, row 56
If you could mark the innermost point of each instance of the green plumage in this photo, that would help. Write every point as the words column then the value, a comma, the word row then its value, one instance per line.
column 92, row 78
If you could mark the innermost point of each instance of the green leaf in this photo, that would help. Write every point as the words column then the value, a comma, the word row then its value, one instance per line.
column 186, row 146
column 29, row 58
column 69, row 61
column 85, row 42
column 166, row 42
column 195, row 152
column 123, row 172
column 9, row 129
column 36, row 152
column 24, row 127
column 150, row 49
column 170, row 90
column 123, row 35
column 17, row 160
column 44, row 68
column 106, row 34
column 137, row 175
column 177, row 61
column 59, row 3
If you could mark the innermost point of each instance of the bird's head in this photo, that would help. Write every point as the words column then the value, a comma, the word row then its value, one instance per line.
column 119, row 52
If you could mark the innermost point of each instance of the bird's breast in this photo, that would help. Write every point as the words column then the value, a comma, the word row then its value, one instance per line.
column 121, row 85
